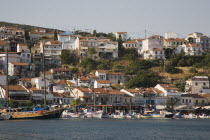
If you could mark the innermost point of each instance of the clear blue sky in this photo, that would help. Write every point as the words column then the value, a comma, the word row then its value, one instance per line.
column 133, row 16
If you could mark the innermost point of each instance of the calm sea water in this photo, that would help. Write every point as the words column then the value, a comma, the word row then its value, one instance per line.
column 105, row 129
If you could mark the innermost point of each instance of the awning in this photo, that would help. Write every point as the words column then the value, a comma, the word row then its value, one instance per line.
column 160, row 107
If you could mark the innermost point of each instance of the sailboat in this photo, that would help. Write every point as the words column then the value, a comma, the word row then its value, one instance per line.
column 43, row 113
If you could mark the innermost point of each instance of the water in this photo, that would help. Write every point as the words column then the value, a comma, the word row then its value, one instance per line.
column 106, row 129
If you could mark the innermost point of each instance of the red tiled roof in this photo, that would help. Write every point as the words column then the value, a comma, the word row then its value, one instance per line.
column 19, row 64
column 99, row 90
column 35, row 89
column 14, row 88
column 192, row 95
column 103, row 81
column 25, row 79
column 101, row 71
column 133, row 41
column 121, row 32
column 116, row 73
column 84, row 79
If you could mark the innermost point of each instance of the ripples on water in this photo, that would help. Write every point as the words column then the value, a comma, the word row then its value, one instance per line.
column 105, row 129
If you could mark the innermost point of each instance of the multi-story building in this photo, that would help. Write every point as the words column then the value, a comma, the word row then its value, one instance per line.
column 152, row 48
column 193, row 100
column 196, row 83
column 190, row 49
column 122, row 35
column 18, row 69
column 68, row 40
column 58, row 74
column 107, row 49
column 52, row 52
column 199, row 39
column 173, row 43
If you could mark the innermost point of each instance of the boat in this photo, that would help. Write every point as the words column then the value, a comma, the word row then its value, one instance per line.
column 18, row 113
column 97, row 114
column 118, row 115
column 190, row 116
column 70, row 114
column 203, row 116
column 4, row 116
column 178, row 115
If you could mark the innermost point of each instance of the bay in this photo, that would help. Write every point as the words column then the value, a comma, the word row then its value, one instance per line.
column 106, row 129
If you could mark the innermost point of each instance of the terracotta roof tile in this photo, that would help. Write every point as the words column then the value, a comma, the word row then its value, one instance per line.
column 14, row 88
column 19, row 64
column 84, row 79
column 103, row 81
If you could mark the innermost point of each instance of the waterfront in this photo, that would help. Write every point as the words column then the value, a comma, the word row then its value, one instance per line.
column 105, row 129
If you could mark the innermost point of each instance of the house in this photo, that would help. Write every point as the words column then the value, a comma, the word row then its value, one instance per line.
column 68, row 40
column 102, row 84
column 173, row 43
column 168, row 90
column 152, row 48
column 149, row 96
column 61, row 86
column 85, row 95
column 62, row 98
column 116, row 77
column 93, row 78
column 26, row 82
column 16, row 92
column 86, row 47
column 107, row 49
column 18, row 69
column 190, row 49
column 12, row 57
column 83, row 82
column 200, row 40
column 136, row 44
column 52, row 52
column 196, row 83
column 58, row 74
column 38, row 82
column 37, row 95
column 193, row 100
column 21, row 47
column 135, row 97
column 4, row 45
column 170, row 35
column 101, row 74
column 38, row 34
column 122, row 35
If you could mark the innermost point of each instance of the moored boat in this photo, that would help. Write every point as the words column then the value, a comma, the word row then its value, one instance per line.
column 17, row 113
column 4, row 116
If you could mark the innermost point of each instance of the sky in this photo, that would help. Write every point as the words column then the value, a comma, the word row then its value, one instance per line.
column 132, row 16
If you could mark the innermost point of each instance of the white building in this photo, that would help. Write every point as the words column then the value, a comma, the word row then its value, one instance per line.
column 68, row 40
column 196, row 83
column 152, row 48
column 38, row 82
column 122, row 35
column 190, row 49
column 101, row 74
column 2, row 78
column 102, row 84
column 18, row 69
column 12, row 57
column 171, row 35
column 52, row 51
column 107, row 49
column 199, row 39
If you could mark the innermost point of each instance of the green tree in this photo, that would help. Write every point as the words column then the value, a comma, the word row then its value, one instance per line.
column 27, row 37
column 67, row 57
column 88, row 64
column 55, row 35
column 13, row 103
column 171, row 102
column 75, row 102
column 143, row 79
column 193, row 70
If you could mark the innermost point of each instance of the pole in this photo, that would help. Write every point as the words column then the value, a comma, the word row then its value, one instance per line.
column 44, row 78
column 145, row 33
column 94, row 102
column 7, row 82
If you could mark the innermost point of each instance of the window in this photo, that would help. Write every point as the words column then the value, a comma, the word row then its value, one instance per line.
column 204, row 84
column 182, row 100
column 186, row 100
column 196, row 102
column 189, row 100
column 202, row 101
column 196, row 84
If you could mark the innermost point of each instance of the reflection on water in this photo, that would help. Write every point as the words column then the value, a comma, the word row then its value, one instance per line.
column 105, row 129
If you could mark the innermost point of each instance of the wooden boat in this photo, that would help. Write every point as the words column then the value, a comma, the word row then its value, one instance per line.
column 190, row 116
column 41, row 114
column 69, row 114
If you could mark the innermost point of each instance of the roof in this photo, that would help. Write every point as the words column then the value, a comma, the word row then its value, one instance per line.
column 14, row 88
column 192, row 95
column 155, row 36
column 61, row 82
column 132, row 41
column 103, row 81
column 121, row 32
column 158, row 91
column 19, row 64
column 84, row 89
column 101, row 71
column 156, row 49
column 22, row 44
column 193, row 45
column 24, row 79
column 115, row 92
column 34, row 89
column 175, row 39
column 93, row 76
column 3, row 42
column 131, row 90
column 99, row 90
column 84, row 79
column 116, row 73
column 61, row 69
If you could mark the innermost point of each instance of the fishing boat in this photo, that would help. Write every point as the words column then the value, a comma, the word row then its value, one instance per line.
column 118, row 115
column 4, row 116
column 203, row 116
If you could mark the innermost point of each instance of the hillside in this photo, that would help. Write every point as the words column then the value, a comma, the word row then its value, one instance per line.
column 23, row 26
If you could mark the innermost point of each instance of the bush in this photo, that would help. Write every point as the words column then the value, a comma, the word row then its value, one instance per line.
column 193, row 70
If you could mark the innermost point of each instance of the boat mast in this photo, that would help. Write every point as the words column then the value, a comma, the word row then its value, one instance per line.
column 44, row 76
column 7, row 82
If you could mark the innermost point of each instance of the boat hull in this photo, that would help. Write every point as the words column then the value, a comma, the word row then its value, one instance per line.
column 5, row 117
column 37, row 115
